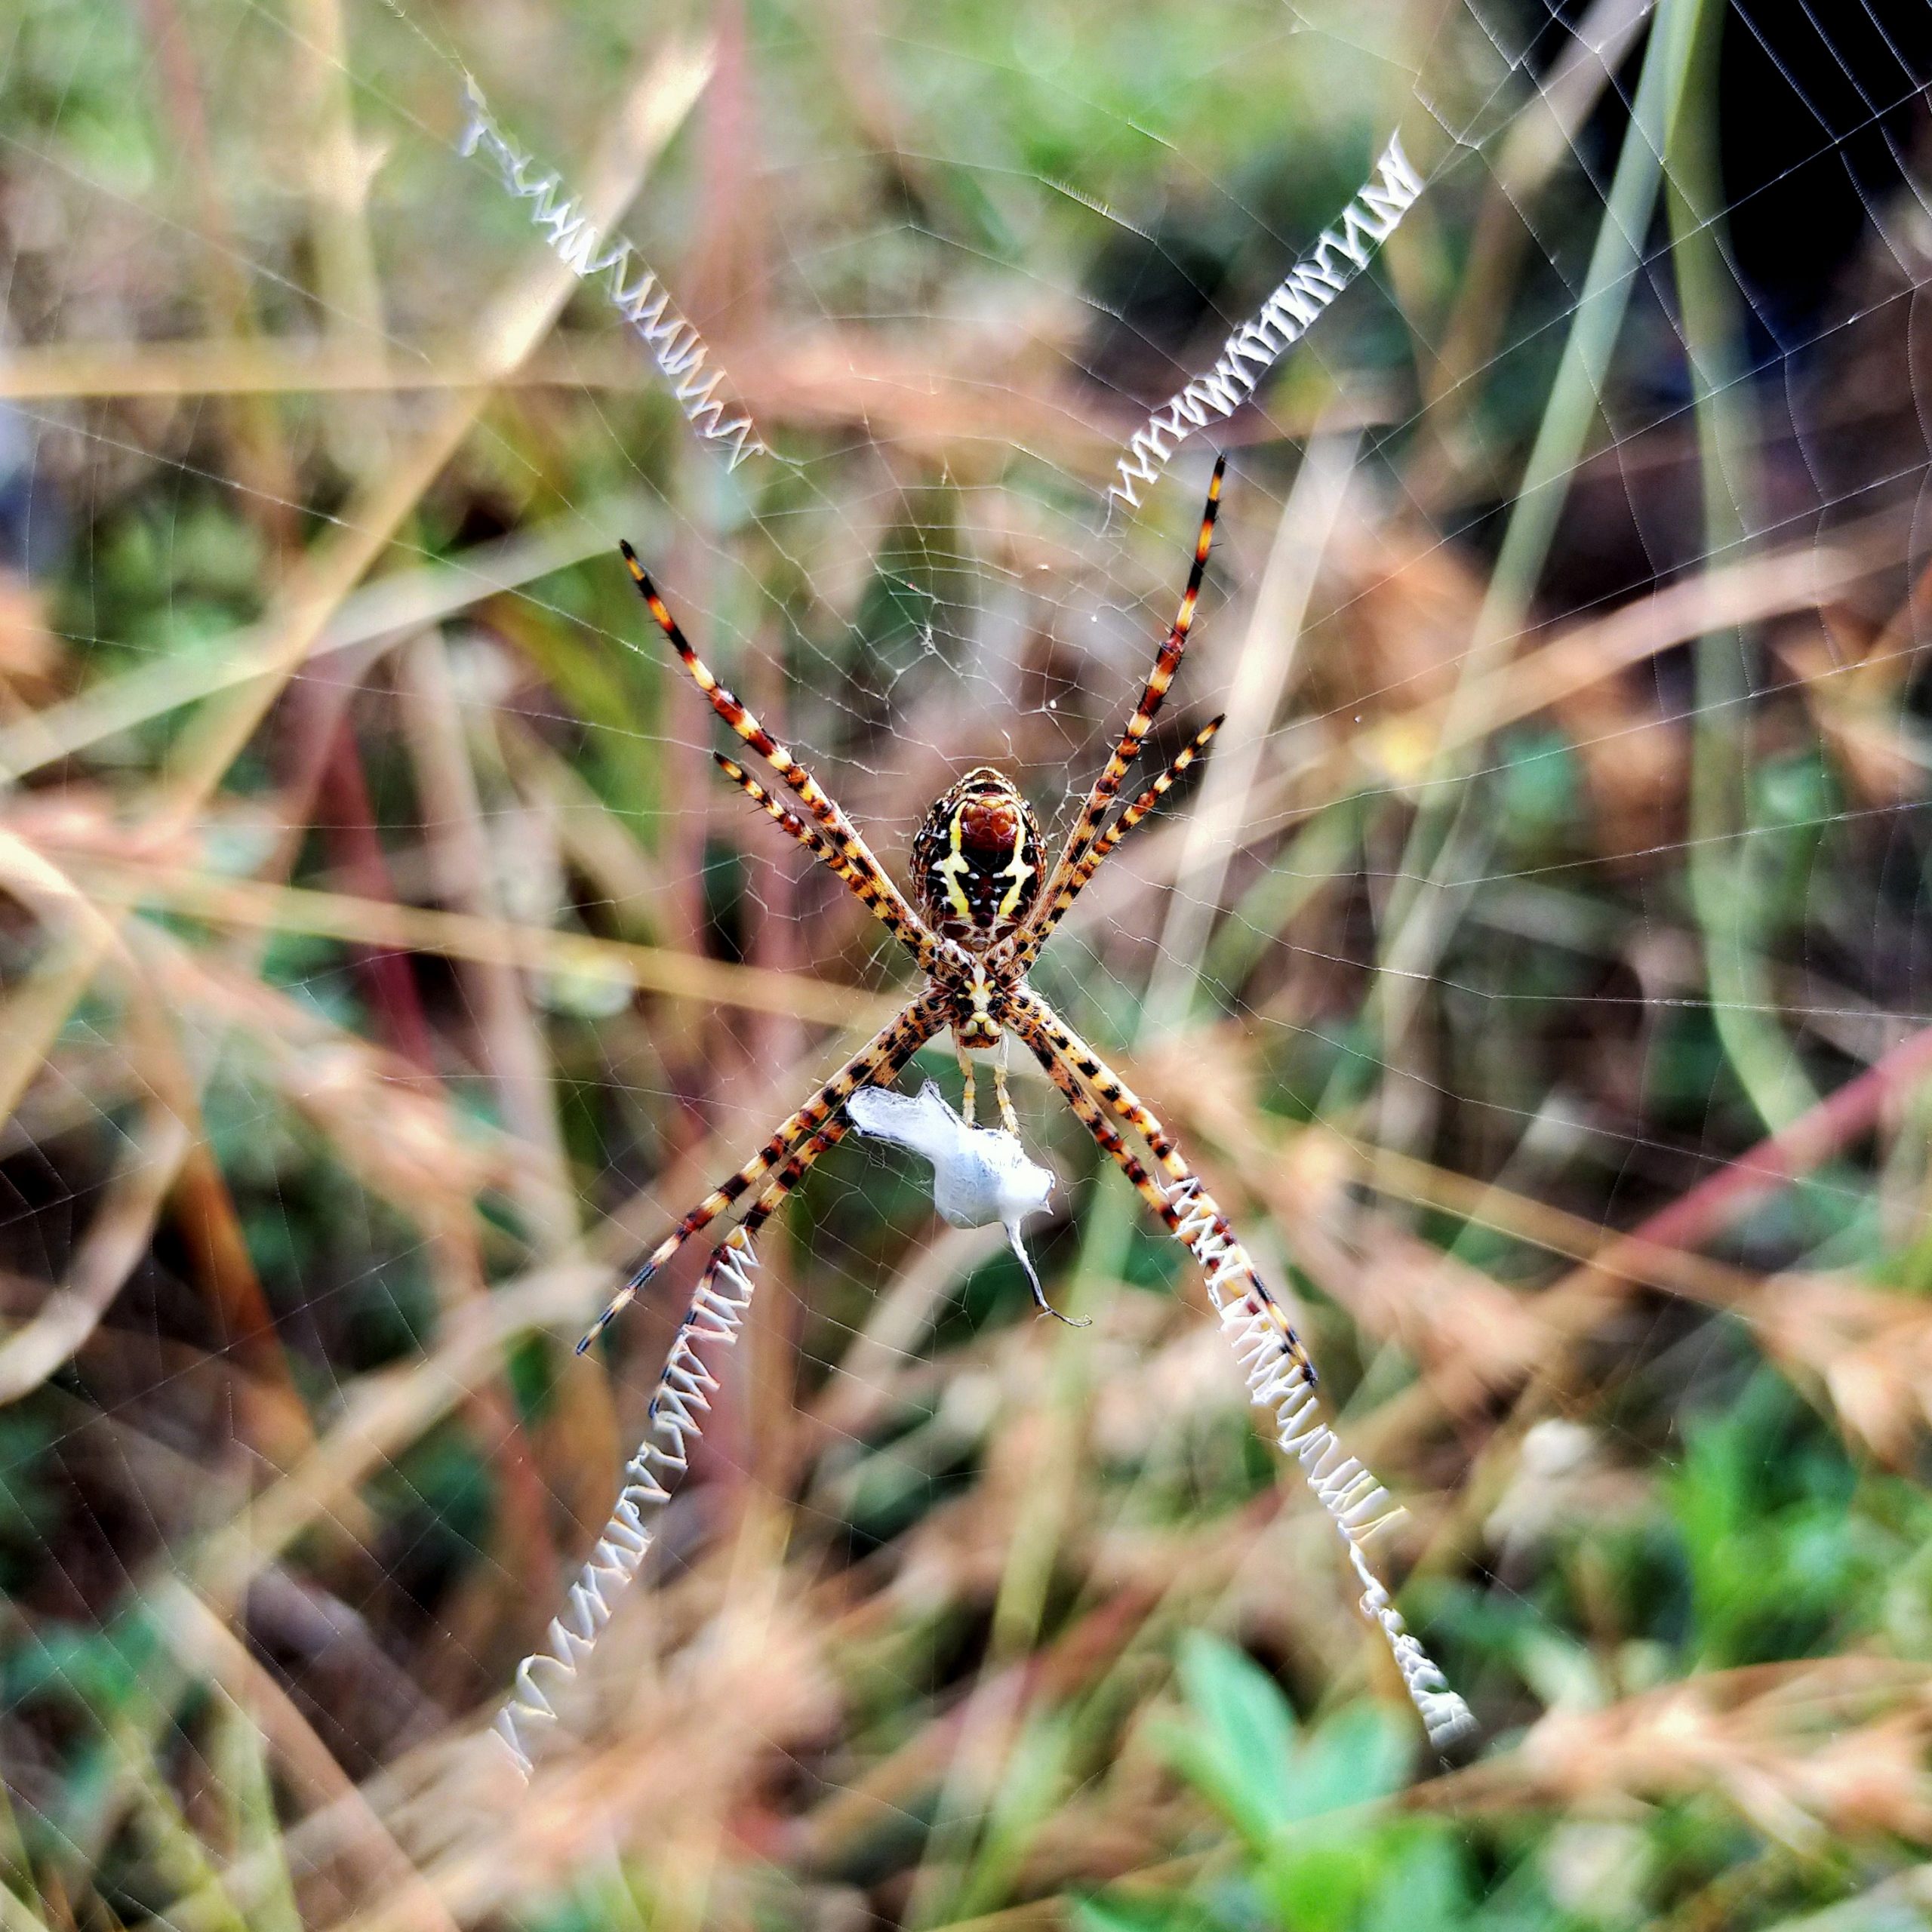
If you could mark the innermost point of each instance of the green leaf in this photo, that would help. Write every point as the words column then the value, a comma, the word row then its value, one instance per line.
column 1150, row 1914
column 1423, row 1888
column 1356, row 1757
column 1237, row 1753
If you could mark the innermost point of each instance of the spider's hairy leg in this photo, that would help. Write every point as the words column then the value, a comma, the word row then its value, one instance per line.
column 1192, row 1214
column 880, row 897
column 782, row 1185
column 1008, row 1118
column 1022, row 1004
column 1027, row 942
column 879, row 1060
column 731, row 1256
column 966, row 1095
column 1088, row 1111
column 1167, row 660
column 729, row 707
column 1195, row 748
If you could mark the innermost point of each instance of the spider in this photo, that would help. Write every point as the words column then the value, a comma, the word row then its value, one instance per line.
column 981, row 909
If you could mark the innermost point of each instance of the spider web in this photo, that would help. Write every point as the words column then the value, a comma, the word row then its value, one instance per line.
column 387, row 965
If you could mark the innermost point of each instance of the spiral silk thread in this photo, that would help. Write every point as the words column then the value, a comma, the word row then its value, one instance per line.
column 1278, row 1380
column 1340, row 253
column 684, row 1385
column 675, row 345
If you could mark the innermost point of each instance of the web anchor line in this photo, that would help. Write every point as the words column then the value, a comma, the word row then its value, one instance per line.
column 1281, row 1380
column 677, row 1405
column 632, row 286
column 1340, row 253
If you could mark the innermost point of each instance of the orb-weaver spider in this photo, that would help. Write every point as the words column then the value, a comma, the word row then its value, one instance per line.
column 983, row 911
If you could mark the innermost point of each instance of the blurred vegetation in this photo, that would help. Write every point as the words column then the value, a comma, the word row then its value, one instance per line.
column 1538, row 972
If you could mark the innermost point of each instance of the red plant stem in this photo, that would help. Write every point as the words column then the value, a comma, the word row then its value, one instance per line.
column 1817, row 1134
column 350, row 829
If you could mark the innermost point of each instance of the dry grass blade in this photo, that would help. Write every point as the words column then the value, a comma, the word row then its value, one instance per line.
column 651, row 114
column 387, row 1413
column 1813, row 1754
column 1871, row 1352
column 205, row 1645
column 321, row 579
column 1397, row 749
column 396, row 604
column 406, row 1142
column 512, row 1048
column 117, row 1238
column 79, row 936
column 252, row 904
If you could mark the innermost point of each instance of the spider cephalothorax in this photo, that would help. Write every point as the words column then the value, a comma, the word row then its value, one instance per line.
column 976, row 860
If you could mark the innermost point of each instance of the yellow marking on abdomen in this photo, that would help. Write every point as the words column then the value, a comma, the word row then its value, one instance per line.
column 1020, row 872
column 951, row 866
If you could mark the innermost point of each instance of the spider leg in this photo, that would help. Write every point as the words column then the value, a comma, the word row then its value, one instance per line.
column 880, row 897
column 1027, row 943
column 967, row 1094
column 1173, row 1217
column 685, row 1382
column 1095, row 1120
column 679, row 1404
column 1008, row 1118
column 1280, row 1377
column 838, row 828
column 780, row 1188
column 1109, row 783
column 1191, row 1213
column 879, row 1060
column 1026, row 1011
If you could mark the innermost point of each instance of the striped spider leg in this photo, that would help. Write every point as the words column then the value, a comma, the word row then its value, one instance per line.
column 891, row 912
column 685, row 1385
column 1106, row 787
column 1191, row 1213
column 839, row 846
column 879, row 1061
column 1091, row 1116
column 686, row 1381
column 1027, row 943
column 839, row 830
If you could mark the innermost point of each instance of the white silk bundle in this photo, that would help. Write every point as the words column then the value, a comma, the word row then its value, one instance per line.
column 982, row 1178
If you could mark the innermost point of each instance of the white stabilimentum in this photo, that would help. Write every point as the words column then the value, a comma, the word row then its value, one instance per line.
column 636, row 293
column 1340, row 253
column 1356, row 1502
column 717, row 1311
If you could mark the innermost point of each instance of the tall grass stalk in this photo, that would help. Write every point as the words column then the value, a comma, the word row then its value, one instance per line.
column 1743, row 1001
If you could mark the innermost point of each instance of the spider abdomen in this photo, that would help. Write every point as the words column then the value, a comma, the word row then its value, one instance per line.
column 976, row 860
